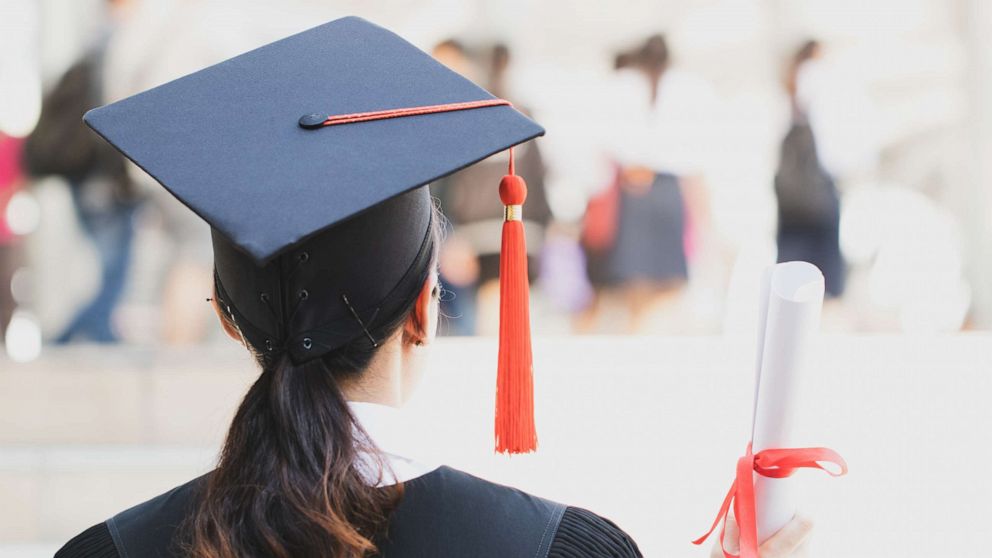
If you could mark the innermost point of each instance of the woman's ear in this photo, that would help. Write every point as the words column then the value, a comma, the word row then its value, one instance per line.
column 225, row 323
column 421, row 326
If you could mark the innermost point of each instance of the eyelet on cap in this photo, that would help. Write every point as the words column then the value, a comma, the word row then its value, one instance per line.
column 268, row 344
column 307, row 343
column 304, row 257
column 304, row 294
column 264, row 297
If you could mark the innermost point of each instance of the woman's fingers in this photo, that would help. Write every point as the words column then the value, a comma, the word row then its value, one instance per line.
column 789, row 541
column 731, row 535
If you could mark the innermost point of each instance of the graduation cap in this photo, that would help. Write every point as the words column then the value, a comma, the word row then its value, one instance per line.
column 309, row 158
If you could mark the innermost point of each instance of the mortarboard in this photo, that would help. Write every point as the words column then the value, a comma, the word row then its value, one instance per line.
column 309, row 158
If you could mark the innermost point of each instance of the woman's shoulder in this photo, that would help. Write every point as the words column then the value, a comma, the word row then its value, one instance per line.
column 557, row 530
column 95, row 542
column 146, row 529
column 584, row 534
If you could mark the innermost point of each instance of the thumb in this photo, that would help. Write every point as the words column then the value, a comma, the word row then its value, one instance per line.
column 731, row 538
column 789, row 540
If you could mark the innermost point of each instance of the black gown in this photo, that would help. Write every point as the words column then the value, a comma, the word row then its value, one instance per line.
column 444, row 514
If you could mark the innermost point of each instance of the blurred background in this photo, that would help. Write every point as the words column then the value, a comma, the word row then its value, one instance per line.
column 690, row 144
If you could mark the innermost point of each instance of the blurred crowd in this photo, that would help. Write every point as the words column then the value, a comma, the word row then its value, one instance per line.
column 645, row 254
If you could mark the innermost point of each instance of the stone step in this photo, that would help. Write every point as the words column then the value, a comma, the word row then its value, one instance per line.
column 50, row 493
column 30, row 550
column 127, row 395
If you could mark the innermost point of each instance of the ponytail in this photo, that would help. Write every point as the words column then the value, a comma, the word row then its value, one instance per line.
column 293, row 479
column 298, row 477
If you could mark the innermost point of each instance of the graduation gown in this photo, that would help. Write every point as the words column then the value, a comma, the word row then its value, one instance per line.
column 444, row 513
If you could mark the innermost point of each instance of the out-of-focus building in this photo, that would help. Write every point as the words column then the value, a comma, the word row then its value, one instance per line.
column 916, row 230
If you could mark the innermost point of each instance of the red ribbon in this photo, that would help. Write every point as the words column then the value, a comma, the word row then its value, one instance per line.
column 771, row 463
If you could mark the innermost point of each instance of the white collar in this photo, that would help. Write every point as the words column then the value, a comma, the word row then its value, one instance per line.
column 397, row 438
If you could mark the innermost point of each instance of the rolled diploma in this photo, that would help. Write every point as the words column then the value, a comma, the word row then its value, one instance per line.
column 791, row 301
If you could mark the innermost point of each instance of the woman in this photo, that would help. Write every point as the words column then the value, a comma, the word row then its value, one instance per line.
column 331, row 283
column 298, row 474
column 805, row 190
column 657, row 152
column 471, row 254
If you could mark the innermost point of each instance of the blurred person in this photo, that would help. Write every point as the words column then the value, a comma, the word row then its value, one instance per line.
column 453, row 54
column 102, row 193
column 499, row 65
column 459, row 264
column 599, row 229
column 642, row 229
column 470, row 255
column 163, row 40
column 10, row 179
column 806, row 191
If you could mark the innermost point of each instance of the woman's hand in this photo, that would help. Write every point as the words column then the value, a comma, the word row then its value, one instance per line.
column 788, row 542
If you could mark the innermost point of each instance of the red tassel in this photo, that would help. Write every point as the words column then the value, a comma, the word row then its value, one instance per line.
column 515, row 430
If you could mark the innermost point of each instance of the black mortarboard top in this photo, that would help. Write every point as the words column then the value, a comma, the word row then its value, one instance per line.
column 227, row 142
column 245, row 144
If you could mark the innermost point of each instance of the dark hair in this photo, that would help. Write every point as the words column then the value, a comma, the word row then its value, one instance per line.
column 499, row 57
column 293, row 478
column 653, row 59
column 623, row 60
column 653, row 55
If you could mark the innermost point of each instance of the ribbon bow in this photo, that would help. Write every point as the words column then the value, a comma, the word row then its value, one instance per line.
column 771, row 463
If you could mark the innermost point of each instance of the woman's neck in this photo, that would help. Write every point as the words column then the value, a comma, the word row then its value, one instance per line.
column 382, row 382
